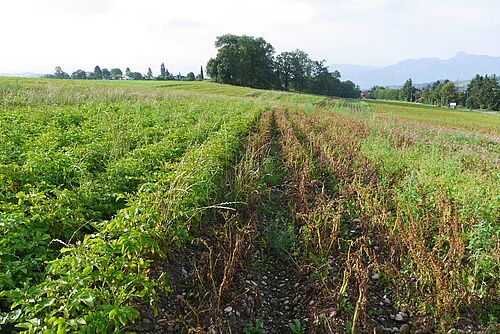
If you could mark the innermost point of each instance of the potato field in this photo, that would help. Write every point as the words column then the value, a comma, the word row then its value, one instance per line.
column 195, row 207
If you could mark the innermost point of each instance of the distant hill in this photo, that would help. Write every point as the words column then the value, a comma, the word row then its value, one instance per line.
column 22, row 75
column 462, row 66
column 460, row 84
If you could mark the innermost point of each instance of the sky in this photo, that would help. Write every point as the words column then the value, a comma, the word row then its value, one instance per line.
column 37, row 35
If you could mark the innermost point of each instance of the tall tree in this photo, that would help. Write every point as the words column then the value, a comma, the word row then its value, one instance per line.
column 163, row 72
column 294, row 69
column 202, row 77
column 349, row 89
column 284, row 69
column 150, row 74
column 491, row 93
column 483, row 93
column 244, row 61
column 116, row 74
column 301, row 69
column 79, row 75
column 447, row 93
column 97, row 73
column 60, row 74
column 106, row 74
column 322, row 81
column 136, row 76
column 426, row 96
column 249, row 61
column 408, row 91
column 474, row 90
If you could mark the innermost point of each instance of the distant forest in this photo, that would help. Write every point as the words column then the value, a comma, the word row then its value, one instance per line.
column 483, row 92
column 251, row 62
column 117, row 74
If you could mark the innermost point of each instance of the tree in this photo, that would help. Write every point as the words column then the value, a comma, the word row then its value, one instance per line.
column 382, row 93
column 243, row 61
column 202, row 77
column 79, row 75
column 284, row 69
column 150, row 74
column 190, row 76
column 461, row 96
column 294, row 68
column 163, row 72
column 322, row 82
column 116, row 74
column 60, row 74
column 249, row 61
column 447, row 93
column 97, row 73
column 491, row 93
column 106, row 75
column 300, row 69
column 425, row 96
column 136, row 76
column 483, row 93
column 408, row 91
column 349, row 89
column 474, row 90
column 336, row 74
column 213, row 70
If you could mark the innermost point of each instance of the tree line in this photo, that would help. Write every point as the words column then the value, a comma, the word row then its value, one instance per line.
column 251, row 62
column 483, row 92
column 117, row 74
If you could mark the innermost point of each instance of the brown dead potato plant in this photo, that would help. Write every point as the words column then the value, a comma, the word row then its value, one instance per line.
column 439, row 265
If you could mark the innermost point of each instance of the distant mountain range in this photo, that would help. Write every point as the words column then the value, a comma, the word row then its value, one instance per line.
column 461, row 67
column 22, row 75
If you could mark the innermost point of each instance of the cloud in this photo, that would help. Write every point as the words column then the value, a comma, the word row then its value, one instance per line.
column 80, row 7
column 37, row 35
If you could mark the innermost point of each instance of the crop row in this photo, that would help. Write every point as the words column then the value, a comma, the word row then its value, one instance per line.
column 112, row 184
column 372, row 199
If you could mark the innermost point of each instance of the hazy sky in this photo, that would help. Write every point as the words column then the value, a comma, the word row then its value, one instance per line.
column 37, row 35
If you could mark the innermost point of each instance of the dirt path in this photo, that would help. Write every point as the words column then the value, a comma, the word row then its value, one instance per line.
column 273, row 280
column 239, row 274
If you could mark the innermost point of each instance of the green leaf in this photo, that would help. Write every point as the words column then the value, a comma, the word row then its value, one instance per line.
column 112, row 314
column 122, row 317
column 88, row 300
column 87, row 269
